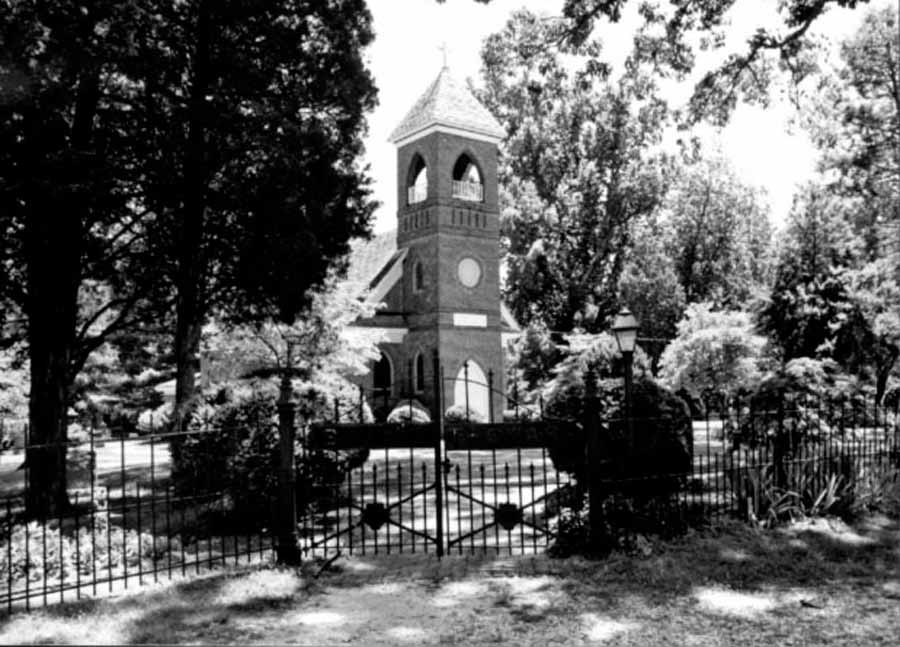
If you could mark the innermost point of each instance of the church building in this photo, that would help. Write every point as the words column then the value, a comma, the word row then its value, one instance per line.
column 438, row 274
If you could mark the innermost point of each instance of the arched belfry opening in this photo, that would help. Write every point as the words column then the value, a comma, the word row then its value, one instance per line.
column 468, row 183
column 417, row 181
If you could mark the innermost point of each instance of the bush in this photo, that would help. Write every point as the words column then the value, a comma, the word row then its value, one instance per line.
column 623, row 527
column 154, row 420
column 714, row 352
column 409, row 411
column 643, row 467
column 458, row 413
column 572, row 534
column 821, row 481
column 81, row 555
column 238, row 456
column 805, row 398
column 318, row 399
column 524, row 412
column 658, row 455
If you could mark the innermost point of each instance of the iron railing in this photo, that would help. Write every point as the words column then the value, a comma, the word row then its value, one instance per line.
column 471, row 191
column 416, row 194
column 438, row 487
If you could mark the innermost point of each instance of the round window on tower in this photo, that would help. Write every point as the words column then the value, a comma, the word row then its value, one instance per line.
column 469, row 272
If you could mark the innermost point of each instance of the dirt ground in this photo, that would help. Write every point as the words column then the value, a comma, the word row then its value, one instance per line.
column 817, row 582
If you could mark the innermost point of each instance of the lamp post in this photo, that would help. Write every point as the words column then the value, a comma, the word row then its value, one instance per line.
column 625, row 329
column 287, row 551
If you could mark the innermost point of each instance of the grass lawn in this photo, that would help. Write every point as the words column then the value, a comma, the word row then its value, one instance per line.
column 814, row 583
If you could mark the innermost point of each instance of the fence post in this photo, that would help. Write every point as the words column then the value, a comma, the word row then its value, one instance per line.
column 490, row 387
column 593, row 456
column 466, row 374
column 778, row 449
column 286, row 550
column 411, row 387
column 438, row 455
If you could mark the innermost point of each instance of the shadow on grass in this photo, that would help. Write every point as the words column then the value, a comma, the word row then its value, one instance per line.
column 819, row 556
column 818, row 553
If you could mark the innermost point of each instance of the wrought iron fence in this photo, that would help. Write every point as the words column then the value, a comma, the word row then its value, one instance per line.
column 128, row 518
column 160, row 505
column 750, row 460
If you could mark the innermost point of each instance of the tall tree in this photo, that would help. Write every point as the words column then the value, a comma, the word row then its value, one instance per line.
column 811, row 296
column 253, row 155
column 73, row 227
column 577, row 167
column 718, row 233
column 649, row 286
column 852, row 112
column 129, row 135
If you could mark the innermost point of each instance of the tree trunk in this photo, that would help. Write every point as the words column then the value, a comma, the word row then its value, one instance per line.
column 59, row 194
column 883, row 372
column 189, row 309
column 45, row 458
column 53, row 258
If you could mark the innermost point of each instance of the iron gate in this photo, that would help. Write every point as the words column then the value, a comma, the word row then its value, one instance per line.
column 435, row 487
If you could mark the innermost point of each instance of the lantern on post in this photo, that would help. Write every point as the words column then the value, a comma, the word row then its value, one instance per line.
column 625, row 327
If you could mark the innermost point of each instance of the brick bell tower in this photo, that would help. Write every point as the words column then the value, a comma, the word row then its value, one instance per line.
column 447, row 224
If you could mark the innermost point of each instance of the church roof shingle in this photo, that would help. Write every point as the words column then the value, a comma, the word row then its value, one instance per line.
column 448, row 102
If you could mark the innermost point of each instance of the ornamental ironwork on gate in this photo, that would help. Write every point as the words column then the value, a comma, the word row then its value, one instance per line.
column 443, row 486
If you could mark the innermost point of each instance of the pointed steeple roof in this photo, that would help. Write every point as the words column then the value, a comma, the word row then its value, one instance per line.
column 448, row 102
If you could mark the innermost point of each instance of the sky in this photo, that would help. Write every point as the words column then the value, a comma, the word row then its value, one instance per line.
column 407, row 55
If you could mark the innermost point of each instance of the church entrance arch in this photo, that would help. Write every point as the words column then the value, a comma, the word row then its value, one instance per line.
column 471, row 387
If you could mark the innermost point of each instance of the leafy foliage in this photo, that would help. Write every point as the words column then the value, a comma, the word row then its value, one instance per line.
column 673, row 33
column 651, row 289
column 316, row 346
column 68, row 558
column 810, row 296
column 235, row 452
column 201, row 150
column 718, row 232
column 529, row 363
column 13, row 385
column 714, row 352
column 662, row 432
column 806, row 398
column 852, row 112
column 576, row 168
column 564, row 394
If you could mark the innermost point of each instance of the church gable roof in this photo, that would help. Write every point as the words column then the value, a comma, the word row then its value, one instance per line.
column 368, row 257
column 375, row 265
column 448, row 102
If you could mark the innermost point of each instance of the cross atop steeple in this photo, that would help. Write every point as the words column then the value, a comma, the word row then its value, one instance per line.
column 443, row 49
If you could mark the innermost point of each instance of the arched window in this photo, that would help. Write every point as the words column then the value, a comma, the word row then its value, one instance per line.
column 467, row 181
column 418, row 277
column 417, row 182
column 420, row 373
column 382, row 376
column 471, row 388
